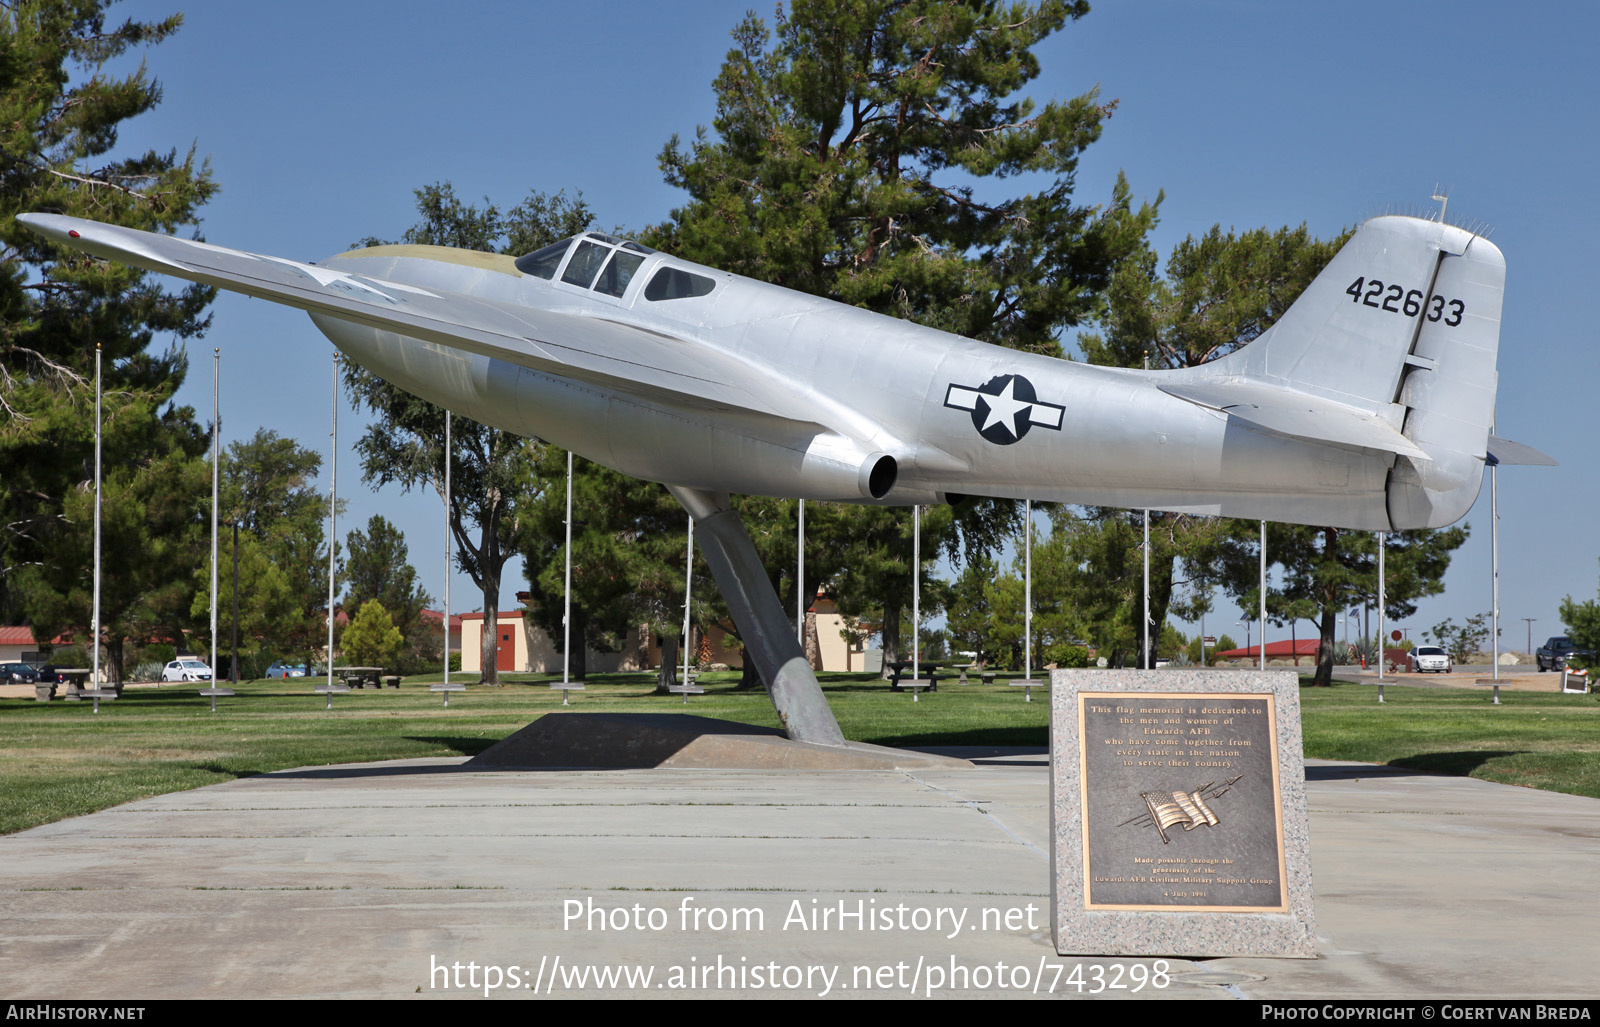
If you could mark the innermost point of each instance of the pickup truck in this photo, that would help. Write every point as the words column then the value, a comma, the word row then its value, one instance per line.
column 1556, row 651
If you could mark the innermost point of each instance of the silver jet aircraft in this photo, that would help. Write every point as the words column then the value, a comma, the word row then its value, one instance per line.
column 1368, row 405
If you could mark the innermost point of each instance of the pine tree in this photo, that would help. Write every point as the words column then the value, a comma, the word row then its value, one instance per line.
column 377, row 566
column 372, row 640
column 842, row 164
column 269, row 490
column 59, row 120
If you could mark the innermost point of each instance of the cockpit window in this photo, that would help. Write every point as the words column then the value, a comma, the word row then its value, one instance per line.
column 585, row 263
column 672, row 283
column 619, row 271
column 542, row 263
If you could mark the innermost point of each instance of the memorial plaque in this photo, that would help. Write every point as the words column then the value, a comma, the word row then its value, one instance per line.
column 1180, row 799
column 1178, row 814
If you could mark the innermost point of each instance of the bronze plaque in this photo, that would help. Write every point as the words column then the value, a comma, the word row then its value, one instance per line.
column 1180, row 802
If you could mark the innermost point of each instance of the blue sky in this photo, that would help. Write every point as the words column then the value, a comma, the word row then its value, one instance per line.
column 320, row 119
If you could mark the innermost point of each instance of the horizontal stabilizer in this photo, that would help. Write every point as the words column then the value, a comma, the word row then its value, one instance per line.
column 1298, row 415
column 1504, row 451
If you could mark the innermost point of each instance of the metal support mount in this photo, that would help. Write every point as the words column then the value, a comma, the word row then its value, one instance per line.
column 769, row 637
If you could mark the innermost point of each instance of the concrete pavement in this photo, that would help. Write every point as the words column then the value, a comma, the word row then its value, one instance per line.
column 376, row 881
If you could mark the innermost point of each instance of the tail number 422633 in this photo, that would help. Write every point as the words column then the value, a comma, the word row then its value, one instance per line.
column 1372, row 293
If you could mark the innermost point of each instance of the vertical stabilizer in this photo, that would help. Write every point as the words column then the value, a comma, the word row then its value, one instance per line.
column 1403, row 324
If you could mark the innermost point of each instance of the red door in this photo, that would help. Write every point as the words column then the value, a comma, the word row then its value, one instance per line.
column 505, row 651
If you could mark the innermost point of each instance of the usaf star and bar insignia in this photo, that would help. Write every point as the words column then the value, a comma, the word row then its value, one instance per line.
column 1005, row 408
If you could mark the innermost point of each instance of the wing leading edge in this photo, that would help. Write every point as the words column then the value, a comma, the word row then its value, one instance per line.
column 594, row 350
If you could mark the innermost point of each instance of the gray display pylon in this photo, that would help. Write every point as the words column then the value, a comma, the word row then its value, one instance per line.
column 765, row 629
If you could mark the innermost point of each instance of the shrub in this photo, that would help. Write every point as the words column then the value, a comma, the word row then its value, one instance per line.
column 1063, row 655
column 372, row 640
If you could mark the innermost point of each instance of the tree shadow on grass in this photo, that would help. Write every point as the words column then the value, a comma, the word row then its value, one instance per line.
column 223, row 772
column 1457, row 764
column 1452, row 764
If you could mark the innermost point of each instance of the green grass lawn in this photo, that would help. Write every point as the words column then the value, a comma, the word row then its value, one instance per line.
column 61, row 759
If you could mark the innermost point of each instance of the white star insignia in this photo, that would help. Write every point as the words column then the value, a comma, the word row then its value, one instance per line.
column 1004, row 408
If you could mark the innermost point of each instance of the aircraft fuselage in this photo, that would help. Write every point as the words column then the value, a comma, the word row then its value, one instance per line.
column 959, row 417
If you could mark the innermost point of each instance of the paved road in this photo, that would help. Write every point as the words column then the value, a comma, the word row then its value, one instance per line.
column 374, row 881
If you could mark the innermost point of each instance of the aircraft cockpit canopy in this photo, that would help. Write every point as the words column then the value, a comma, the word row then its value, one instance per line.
column 606, row 264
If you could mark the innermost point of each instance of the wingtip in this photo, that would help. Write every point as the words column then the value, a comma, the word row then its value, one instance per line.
column 56, row 227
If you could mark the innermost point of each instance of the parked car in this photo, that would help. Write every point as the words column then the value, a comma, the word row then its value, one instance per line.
column 279, row 669
column 50, row 674
column 1555, row 653
column 1430, row 657
column 186, row 669
column 18, row 674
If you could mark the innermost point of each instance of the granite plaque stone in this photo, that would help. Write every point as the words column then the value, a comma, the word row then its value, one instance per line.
column 1178, row 812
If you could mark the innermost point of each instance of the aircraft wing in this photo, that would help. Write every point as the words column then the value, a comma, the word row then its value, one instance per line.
column 631, row 359
column 1297, row 414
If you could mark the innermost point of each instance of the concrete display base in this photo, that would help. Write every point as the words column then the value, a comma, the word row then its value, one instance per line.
column 640, row 740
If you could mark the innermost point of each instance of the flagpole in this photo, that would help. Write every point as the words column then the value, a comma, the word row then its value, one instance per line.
column 333, row 505
column 1147, row 663
column 800, row 578
column 1027, row 590
column 449, row 551
column 566, row 610
column 1262, row 652
column 447, row 554
column 94, row 643
column 688, row 585
column 1383, row 540
column 916, row 595
column 216, row 371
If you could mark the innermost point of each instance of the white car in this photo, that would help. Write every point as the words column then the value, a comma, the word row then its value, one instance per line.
column 186, row 670
column 1430, row 657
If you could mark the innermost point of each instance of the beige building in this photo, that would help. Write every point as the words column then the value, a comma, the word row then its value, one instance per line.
column 525, row 648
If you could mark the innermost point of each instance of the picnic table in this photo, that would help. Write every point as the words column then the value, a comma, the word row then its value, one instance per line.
column 358, row 677
column 76, row 676
column 929, row 667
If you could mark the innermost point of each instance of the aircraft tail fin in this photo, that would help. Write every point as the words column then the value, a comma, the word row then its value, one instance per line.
column 1401, row 329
